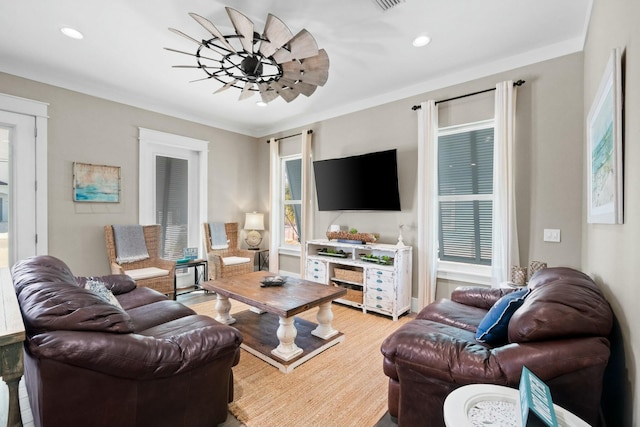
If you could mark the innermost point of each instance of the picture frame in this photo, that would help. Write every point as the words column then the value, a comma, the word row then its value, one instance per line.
column 604, row 148
column 96, row 183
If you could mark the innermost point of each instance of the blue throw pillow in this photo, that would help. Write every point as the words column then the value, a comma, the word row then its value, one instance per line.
column 494, row 326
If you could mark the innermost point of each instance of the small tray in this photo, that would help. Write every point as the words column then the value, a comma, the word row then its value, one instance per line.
column 183, row 260
column 273, row 281
column 376, row 260
column 333, row 254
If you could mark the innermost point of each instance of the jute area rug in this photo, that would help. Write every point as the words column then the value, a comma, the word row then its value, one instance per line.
column 342, row 386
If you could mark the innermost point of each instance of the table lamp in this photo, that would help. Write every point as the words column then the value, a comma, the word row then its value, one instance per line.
column 254, row 221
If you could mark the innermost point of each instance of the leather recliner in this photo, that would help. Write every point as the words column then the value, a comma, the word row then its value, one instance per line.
column 150, row 362
column 560, row 333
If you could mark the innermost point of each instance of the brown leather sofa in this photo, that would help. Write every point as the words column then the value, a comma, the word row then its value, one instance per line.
column 560, row 333
column 152, row 362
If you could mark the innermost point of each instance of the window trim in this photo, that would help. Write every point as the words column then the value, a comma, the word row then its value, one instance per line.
column 149, row 142
column 464, row 272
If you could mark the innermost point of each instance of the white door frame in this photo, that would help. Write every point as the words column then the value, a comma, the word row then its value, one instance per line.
column 33, row 166
column 154, row 143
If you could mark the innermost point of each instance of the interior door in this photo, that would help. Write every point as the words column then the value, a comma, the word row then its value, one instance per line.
column 18, row 210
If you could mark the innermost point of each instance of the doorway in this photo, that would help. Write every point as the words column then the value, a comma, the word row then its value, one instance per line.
column 173, row 189
column 23, row 208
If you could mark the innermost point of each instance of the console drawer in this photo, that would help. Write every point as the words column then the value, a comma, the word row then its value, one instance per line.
column 316, row 271
column 379, row 300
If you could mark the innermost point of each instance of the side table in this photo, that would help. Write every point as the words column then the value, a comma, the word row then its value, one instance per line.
column 198, row 279
column 263, row 259
column 493, row 405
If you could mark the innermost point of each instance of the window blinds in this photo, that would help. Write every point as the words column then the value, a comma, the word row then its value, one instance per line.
column 172, row 205
column 465, row 188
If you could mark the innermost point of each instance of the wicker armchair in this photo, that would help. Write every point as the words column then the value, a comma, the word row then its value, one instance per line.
column 216, row 257
column 164, row 283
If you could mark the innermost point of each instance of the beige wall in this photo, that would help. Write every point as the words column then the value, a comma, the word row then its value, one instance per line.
column 92, row 130
column 610, row 252
column 549, row 157
column 88, row 129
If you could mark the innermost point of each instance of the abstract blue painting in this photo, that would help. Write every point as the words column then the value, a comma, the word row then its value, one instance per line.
column 96, row 183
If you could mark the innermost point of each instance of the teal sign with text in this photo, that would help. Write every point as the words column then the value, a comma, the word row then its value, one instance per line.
column 536, row 406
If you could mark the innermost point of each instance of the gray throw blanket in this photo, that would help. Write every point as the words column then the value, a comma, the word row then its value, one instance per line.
column 218, row 235
column 130, row 244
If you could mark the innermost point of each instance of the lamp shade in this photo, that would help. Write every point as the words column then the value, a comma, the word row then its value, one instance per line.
column 254, row 221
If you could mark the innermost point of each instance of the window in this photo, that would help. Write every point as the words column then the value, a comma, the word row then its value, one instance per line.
column 172, row 205
column 465, row 193
column 292, row 201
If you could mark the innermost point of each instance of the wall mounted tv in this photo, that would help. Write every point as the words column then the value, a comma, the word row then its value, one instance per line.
column 365, row 182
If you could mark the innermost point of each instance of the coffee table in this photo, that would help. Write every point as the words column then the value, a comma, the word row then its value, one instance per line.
column 276, row 307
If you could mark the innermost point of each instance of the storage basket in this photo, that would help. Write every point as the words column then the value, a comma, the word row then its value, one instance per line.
column 354, row 276
column 353, row 295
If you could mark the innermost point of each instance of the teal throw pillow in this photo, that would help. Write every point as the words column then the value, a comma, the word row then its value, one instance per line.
column 494, row 327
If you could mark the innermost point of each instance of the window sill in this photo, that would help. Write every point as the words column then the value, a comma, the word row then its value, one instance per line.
column 290, row 251
column 467, row 273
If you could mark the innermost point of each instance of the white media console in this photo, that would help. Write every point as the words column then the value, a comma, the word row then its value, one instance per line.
column 377, row 276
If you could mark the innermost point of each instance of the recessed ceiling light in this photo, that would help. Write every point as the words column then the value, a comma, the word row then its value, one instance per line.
column 421, row 40
column 261, row 104
column 72, row 33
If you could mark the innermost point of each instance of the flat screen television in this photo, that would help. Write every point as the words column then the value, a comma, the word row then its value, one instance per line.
column 364, row 182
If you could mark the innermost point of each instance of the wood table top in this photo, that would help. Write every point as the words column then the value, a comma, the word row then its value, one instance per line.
column 11, row 324
column 295, row 296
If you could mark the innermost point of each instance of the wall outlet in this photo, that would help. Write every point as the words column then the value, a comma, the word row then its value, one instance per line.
column 551, row 235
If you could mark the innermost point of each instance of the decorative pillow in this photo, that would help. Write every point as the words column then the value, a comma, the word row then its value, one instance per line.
column 101, row 290
column 494, row 327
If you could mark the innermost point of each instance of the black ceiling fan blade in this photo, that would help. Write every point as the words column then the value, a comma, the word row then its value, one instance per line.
column 197, row 66
column 190, row 54
column 276, row 34
column 208, row 25
column 244, row 28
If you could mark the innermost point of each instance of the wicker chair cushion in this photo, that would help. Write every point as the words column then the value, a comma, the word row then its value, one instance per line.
column 233, row 260
column 146, row 273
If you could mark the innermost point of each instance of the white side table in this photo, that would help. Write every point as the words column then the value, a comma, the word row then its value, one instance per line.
column 488, row 405
column 511, row 285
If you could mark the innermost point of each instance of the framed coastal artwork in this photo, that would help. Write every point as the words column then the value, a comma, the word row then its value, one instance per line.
column 96, row 183
column 604, row 148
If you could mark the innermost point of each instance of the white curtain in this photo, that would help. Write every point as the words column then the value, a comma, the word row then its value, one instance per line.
column 427, row 202
column 505, row 251
column 306, row 228
column 274, row 196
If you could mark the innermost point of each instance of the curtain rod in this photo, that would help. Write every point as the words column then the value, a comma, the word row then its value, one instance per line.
column 516, row 83
column 309, row 132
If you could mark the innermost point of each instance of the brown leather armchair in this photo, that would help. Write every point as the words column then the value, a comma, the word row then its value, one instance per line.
column 560, row 333
column 146, row 361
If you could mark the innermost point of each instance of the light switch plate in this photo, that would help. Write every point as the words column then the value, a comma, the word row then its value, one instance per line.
column 552, row 235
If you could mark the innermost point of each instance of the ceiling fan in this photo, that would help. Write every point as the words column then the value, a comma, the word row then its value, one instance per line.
column 274, row 63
